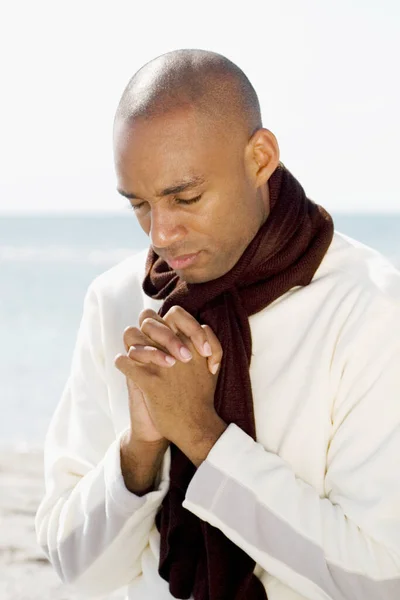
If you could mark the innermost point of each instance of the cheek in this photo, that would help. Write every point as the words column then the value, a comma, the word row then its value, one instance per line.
column 232, row 219
column 226, row 235
column 236, row 229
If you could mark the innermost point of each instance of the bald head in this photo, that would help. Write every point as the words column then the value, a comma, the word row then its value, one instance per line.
column 199, row 80
column 192, row 157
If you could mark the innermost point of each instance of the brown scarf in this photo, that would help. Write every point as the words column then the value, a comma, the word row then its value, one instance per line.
column 195, row 557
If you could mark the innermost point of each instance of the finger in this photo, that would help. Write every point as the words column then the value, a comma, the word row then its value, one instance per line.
column 148, row 313
column 133, row 336
column 150, row 354
column 129, row 368
column 175, row 345
column 160, row 333
column 179, row 320
column 214, row 361
column 122, row 362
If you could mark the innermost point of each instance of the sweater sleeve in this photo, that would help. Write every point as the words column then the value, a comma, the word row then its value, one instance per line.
column 346, row 545
column 90, row 526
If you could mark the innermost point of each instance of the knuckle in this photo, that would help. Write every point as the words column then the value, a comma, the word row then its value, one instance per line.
column 117, row 361
column 145, row 313
column 146, row 323
column 126, row 336
column 127, row 330
column 175, row 310
column 208, row 332
column 129, row 335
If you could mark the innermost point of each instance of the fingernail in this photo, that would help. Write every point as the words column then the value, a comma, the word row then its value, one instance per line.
column 170, row 360
column 207, row 349
column 185, row 353
column 214, row 368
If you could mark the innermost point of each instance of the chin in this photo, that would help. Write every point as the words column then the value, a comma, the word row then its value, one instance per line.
column 192, row 278
column 200, row 277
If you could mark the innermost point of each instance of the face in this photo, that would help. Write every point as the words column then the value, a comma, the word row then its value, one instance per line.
column 196, row 191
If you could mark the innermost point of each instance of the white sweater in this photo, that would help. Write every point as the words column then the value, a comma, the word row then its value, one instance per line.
column 315, row 501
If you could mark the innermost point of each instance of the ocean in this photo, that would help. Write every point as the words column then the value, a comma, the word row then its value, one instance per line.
column 46, row 265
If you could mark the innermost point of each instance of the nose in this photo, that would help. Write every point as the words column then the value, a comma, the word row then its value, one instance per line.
column 166, row 227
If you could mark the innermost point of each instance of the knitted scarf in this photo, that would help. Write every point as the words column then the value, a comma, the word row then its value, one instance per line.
column 196, row 558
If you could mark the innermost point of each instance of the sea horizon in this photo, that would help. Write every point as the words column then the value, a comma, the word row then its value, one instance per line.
column 47, row 262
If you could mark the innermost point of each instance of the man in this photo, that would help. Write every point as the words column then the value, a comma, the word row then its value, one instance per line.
column 230, row 426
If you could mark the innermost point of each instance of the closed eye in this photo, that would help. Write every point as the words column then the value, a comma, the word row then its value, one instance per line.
column 190, row 201
column 136, row 207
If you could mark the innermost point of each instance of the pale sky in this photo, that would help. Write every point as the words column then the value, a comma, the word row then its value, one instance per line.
column 327, row 75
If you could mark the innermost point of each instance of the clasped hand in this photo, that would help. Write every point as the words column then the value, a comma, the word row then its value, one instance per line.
column 171, row 367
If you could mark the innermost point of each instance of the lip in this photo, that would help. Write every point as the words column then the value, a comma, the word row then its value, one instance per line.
column 181, row 262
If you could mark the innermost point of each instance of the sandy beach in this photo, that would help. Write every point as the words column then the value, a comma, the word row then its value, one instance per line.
column 25, row 573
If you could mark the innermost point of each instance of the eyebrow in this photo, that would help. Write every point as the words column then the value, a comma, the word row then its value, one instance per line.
column 176, row 188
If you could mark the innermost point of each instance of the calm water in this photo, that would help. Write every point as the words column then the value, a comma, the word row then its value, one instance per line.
column 46, row 264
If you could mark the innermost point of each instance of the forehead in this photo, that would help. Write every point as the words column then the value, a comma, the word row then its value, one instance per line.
column 167, row 148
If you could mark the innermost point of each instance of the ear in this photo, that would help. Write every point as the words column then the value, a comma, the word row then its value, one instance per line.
column 262, row 156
